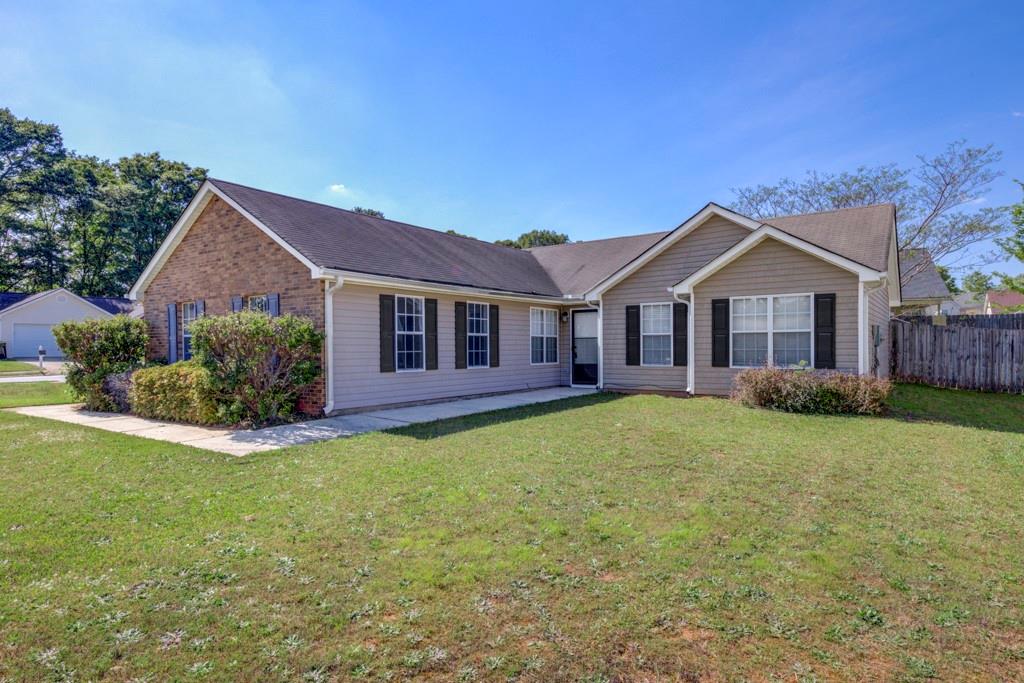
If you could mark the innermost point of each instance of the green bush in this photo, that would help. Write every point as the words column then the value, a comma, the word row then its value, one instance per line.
column 257, row 364
column 180, row 392
column 806, row 391
column 95, row 349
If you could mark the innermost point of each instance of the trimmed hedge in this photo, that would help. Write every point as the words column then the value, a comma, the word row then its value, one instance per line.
column 95, row 349
column 180, row 392
column 258, row 364
column 805, row 391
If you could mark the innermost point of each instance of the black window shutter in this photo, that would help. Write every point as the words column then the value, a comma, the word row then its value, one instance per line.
column 460, row 335
column 632, row 335
column 679, row 333
column 494, row 342
column 387, row 332
column 825, row 331
column 172, row 333
column 236, row 304
column 200, row 308
column 274, row 304
column 430, row 318
column 720, row 333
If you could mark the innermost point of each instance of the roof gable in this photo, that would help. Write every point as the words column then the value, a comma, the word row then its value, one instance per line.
column 31, row 299
column 920, row 278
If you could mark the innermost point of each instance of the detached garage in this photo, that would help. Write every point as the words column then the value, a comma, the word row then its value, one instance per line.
column 27, row 320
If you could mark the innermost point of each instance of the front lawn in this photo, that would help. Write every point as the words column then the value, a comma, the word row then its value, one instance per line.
column 15, row 394
column 17, row 366
column 601, row 538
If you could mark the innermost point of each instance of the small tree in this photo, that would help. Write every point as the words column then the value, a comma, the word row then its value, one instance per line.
column 257, row 364
column 98, row 348
column 977, row 282
column 535, row 238
column 1014, row 248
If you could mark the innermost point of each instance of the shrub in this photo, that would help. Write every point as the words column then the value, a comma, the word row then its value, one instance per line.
column 180, row 392
column 805, row 391
column 95, row 349
column 257, row 364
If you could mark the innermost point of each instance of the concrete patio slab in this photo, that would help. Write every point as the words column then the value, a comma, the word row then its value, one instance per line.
column 243, row 442
column 31, row 378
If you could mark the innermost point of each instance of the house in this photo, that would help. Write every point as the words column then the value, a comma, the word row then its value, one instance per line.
column 965, row 303
column 924, row 290
column 1003, row 301
column 27, row 320
column 414, row 315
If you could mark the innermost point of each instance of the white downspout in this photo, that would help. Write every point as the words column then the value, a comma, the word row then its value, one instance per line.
column 330, row 286
column 600, row 344
column 690, row 366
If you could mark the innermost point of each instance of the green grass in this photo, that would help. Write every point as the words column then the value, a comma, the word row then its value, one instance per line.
column 17, row 366
column 600, row 538
column 14, row 394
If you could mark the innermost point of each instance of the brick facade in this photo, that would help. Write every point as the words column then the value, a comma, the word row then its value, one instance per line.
column 224, row 255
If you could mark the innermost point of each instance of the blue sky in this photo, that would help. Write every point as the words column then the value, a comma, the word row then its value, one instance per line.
column 595, row 119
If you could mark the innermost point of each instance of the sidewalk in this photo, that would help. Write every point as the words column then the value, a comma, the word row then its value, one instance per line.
column 243, row 442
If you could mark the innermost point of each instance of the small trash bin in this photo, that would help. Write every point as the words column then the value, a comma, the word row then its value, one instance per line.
column 3, row 350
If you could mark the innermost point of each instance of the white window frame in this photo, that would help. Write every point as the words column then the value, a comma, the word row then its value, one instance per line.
column 486, row 335
column 264, row 297
column 771, row 328
column 422, row 333
column 545, row 337
column 671, row 336
column 186, row 352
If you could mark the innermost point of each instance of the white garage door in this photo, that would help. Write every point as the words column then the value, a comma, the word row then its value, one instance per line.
column 27, row 338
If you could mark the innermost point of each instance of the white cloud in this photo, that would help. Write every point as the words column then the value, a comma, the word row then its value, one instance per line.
column 338, row 188
column 1018, row 114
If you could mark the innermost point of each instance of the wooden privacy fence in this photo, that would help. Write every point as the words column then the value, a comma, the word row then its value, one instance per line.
column 1001, row 321
column 988, row 359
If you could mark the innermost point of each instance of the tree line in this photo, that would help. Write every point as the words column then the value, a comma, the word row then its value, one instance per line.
column 77, row 221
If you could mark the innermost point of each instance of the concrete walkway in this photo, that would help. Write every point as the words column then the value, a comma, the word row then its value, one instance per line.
column 243, row 442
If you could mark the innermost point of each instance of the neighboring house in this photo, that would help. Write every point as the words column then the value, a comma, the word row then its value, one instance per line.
column 965, row 303
column 924, row 290
column 1004, row 301
column 412, row 314
column 26, row 320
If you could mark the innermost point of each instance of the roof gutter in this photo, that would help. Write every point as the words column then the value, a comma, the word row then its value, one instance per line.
column 355, row 278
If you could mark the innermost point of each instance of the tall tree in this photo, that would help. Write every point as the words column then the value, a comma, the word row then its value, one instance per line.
column 948, row 278
column 977, row 282
column 143, row 199
column 29, row 152
column 535, row 238
column 936, row 203
column 1013, row 246
column 368, row 212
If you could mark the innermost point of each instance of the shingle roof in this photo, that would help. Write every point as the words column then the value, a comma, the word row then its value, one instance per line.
column 335, row 238
column 578, row 266
column 1000, row 301
column 8, row 299
column 920, row 278
column 860, row 234
column 110, row 304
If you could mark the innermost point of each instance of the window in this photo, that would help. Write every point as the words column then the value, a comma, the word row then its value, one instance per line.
column 772, row 327
column 409, row 333
column 543, row 336
column 656, row 334
column 188, row 316
column 477, row 335
column 259, row 303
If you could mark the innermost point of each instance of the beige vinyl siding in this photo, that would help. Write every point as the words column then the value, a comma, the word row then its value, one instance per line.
column 878, row 314
column 358, row 381
column 772, row 267
column 650, row 285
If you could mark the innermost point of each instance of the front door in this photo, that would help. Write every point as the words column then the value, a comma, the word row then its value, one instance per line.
column 584, row 347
